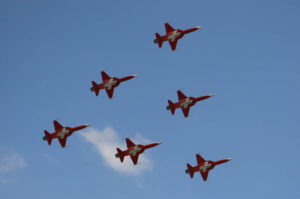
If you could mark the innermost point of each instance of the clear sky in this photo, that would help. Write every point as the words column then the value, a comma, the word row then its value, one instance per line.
column 247, row 54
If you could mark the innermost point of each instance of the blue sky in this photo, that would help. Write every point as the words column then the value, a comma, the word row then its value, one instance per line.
column 247, row 54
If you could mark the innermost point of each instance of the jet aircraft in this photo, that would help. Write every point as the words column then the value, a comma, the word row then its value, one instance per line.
column 133, row 150
column 61, row 133
column 204, row 166
column 185, row 103
column 109, row 83
column 173, row 35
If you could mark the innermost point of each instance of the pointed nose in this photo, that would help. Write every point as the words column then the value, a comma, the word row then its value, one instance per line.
column 134, row 75
column 229, row 159
column 159, row 143
column 199, row 27
column 87, row 125
column 210, row 95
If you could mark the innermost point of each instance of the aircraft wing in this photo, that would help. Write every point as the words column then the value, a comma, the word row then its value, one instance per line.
column 62, row 141
column 110, row 92
column 169, row 28
column 105, row 76
column 57, row 125
column 185, row 111
column 173, row 44
column 135, row 159
column 204, row 174
column 129, row 143
column 181, row 96
column 200, row 159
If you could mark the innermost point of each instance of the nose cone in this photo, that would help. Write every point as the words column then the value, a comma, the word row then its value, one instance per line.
column 210, row 95
column 229, row 159
column 199, row 27
column 87, row 125
column 159, row 143
column 134, row 75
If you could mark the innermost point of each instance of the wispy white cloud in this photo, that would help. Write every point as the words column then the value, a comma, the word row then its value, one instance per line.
column 106, row 142
column 11, row 162
column 50, row 158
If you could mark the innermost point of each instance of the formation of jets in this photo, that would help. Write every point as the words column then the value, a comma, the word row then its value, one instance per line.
column 134, row 150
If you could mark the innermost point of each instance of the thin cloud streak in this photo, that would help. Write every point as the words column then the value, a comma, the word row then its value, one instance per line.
column 106, row 142
column 11, row 162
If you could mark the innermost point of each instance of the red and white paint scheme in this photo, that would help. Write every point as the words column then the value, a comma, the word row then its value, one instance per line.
column 133, row 150
column 109, row 84
column 204, row 166
column 173, row 35
column 185, row 103
column 61, row 133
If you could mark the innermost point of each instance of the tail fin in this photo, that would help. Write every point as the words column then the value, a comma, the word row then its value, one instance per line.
column 120, row 154
column 190, row 170
column 171, row 107
column 94, row 88
column 47, row 137
column 158, row 40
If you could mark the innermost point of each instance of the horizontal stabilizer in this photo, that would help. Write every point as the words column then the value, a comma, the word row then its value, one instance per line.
column 171, row 107
column 190, row 170
column 158, row 40
column 120, row 155
column 47, row 137
column 94, row 88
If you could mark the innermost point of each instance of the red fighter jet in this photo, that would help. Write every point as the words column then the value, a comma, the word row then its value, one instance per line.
column 133, row 150
column 185, row 103
column 204, row 166
column 172, row 35
column 62, row 133
column 109, row 84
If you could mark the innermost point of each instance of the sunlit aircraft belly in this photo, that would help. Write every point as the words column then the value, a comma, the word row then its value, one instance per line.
column 63, row 133
column 174, row 35
column 110, row 84
column 135, row 150
column 205, row 167
column 186, row 104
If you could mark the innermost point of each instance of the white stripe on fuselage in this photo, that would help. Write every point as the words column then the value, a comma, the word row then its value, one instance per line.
column 63, row 133
column 174, row 35
column 110, row 84
column 186, row 103
column 135, row 150
column 204, row 167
